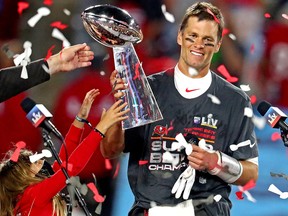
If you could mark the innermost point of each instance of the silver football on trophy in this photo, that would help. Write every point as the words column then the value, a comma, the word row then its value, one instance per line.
column 111, row 26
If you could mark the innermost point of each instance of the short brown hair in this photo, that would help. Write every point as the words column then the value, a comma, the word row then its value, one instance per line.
column 204, row 11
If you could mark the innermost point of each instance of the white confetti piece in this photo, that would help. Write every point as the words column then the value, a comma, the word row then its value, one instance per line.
column 245, row 88
column 67, row 12
column 58, row 35
column 232, row 36
column 192, row 71
column 214, row 99
column 43, row 11
column 217, row 197
column 168, row 16
column 248, row 112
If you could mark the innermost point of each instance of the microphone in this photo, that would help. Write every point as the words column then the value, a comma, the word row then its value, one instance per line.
column 39, row 116
column 274, row 116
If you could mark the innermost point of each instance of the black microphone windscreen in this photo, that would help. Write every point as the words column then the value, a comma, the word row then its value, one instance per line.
column 27, row 104
column 263, row 107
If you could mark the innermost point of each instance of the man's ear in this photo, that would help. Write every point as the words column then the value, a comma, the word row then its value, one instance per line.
column 179, row 37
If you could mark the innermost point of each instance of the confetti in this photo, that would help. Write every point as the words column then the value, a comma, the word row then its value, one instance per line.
column 267, row 15
column 245, row 87
column 252, row 48
column 215, row 18
column 248, row 186
column 102, row 73
column 225, row 32
column 97, row 197
column 45, row 153
column 275, row 136
column 59, row 25
column 259, row 122
column 58, row 35
column 217, row 197
column 67, row 12
column 192, row 71
column 214, row 99
column 253, row 99
column 19, row 145
column 280, row 175
column 108, row 164
column 283, row 195
column 235, row 147
column 43, row 11
column 285, row 16
column 222, row 69
column 48, row 2
column 24, row 58
column 248, row 112
column 232, row 36
column 106, row 57
column 168, row 16
column 49, row 52
column 22, row 6
column 142, row 162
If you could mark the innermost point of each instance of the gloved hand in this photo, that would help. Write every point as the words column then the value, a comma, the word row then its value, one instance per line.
column 184, row 183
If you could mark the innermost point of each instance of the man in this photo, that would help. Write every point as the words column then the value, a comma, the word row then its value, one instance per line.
column 195, row 102
column 39, row 71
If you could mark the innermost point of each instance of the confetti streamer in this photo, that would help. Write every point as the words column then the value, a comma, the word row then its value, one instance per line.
column 108, row 164
column 267, row 15
column 222, row 69
column 22, row 6
column 97, row 197
column 43, row 11
column 215, row 18
column 142, row 162
column 235, row 147
column 67, row 12
column 248, row 186
column 48, row 2
column 248, row 112
column 19, row 145
column 59, row 25
column 232, row 36
column 285, row 16
column 283, row 195
column 168, row 16
column 280, row 175
column 58, row 35
column 214, row 99
column 45, row 153
column 49, row 52
column 253, row 99
column 275, row 136
column 245, row 88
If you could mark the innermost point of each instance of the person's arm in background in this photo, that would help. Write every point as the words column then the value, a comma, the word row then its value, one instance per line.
column 113, row 144
column 68, row 59
column 79, row 157
column 74, row 135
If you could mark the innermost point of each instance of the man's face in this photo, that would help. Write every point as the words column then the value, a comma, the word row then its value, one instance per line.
column 198, row 43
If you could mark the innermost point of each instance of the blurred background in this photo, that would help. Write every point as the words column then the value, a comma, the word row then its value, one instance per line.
column 254, row 50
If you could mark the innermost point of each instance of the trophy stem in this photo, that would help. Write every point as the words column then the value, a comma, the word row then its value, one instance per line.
column 139, row 96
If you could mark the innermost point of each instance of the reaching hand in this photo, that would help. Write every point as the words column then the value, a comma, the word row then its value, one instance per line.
column 117, row 84
column 70, row 58
column 112, row 115
column 87, row 103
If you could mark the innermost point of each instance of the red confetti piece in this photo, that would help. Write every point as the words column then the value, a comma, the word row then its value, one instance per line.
column 97, row 197
column 225, row 32
column 249, row 185
column 48, row 2
column 215, row 18
column 253, row 99
column 108, row 164
column 22, row 6
column 116, row 170
column 59, row 25
column 16, row 153
column 275, row 136
column 267, row 15
column 222, row 69
column 141, row 162
column 49, row 52
column 239, row 195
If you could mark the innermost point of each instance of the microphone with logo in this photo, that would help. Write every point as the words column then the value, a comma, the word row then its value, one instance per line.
column 275, row 118
column 39, row 116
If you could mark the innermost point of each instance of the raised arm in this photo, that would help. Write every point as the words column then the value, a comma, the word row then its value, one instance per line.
column 113, row 144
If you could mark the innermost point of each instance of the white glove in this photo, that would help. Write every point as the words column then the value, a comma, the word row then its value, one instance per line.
column 184, row 183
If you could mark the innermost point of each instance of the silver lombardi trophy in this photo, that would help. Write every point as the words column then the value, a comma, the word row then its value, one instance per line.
column 114, row 27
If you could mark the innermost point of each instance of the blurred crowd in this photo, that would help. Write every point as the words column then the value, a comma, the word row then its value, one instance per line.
column 254, row 49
